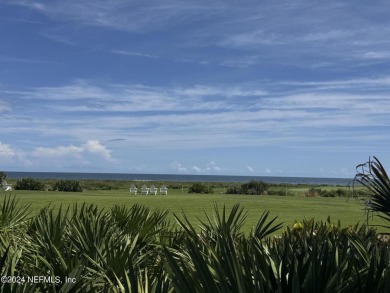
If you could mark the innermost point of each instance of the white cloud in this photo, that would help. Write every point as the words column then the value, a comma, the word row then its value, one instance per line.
column 6, row 151
column 267, row 170
column 122, row 15
column 58, row 38
column 196, row 169
column 201, row 116
column 177, row 167
column 82, row 95
column 60, row 151
column 135, row 54
column 376, row 55
column 90, row 147
column 250, row 169
column 212, row 167
column 342, row 172
column 12, row 157
column 94, row 146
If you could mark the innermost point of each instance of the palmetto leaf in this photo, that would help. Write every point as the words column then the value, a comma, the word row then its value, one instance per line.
column 263, row 229
column 12, row 214
column 374, row 177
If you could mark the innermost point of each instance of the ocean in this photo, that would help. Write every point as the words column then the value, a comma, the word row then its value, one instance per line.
column 179, row 178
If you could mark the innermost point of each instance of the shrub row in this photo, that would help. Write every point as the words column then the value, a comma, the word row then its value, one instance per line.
column 29, row 184
column 314, row 192
column 35, row 184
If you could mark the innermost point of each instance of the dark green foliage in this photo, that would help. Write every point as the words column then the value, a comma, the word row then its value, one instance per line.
column 175, row 185
column 29, row 184
column 341, row 192
column 234, row 189
column 313, row 192
column 317, row 257
column 3, row 176
column 373, row 176
column 13, row 213
column 256, row 187
column 68, row 186
column 135, row 249
column 200, row 188
column 98, row 185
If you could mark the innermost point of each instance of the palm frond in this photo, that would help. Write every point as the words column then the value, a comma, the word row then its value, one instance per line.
column 374, row 178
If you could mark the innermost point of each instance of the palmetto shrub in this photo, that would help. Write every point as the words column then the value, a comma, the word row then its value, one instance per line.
column 106, row 251
column 373, row 176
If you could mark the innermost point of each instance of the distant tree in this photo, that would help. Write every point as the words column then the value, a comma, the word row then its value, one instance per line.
column 3, row 176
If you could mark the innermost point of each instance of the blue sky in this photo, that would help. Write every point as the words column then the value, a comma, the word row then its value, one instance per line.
column 277, row 88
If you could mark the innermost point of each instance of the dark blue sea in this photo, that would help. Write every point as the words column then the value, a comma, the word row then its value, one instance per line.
column 179, row 178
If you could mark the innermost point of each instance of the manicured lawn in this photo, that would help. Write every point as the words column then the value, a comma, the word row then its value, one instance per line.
column 288, row 208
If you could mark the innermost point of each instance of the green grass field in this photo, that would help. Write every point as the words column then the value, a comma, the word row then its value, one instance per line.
column 288, row 209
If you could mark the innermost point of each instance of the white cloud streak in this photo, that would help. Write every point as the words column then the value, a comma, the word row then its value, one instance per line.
column 203, row 115
column 331, row 31
column 250, row 169
column 134, row 54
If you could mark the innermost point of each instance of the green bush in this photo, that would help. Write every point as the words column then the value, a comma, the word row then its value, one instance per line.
column 234, row 189
column 313, row 192
column 200, row 188
column 252, row 187
column 341, row 192
column 255, row 187
column 29, row 184
column 68, row 186
column 279, row 192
